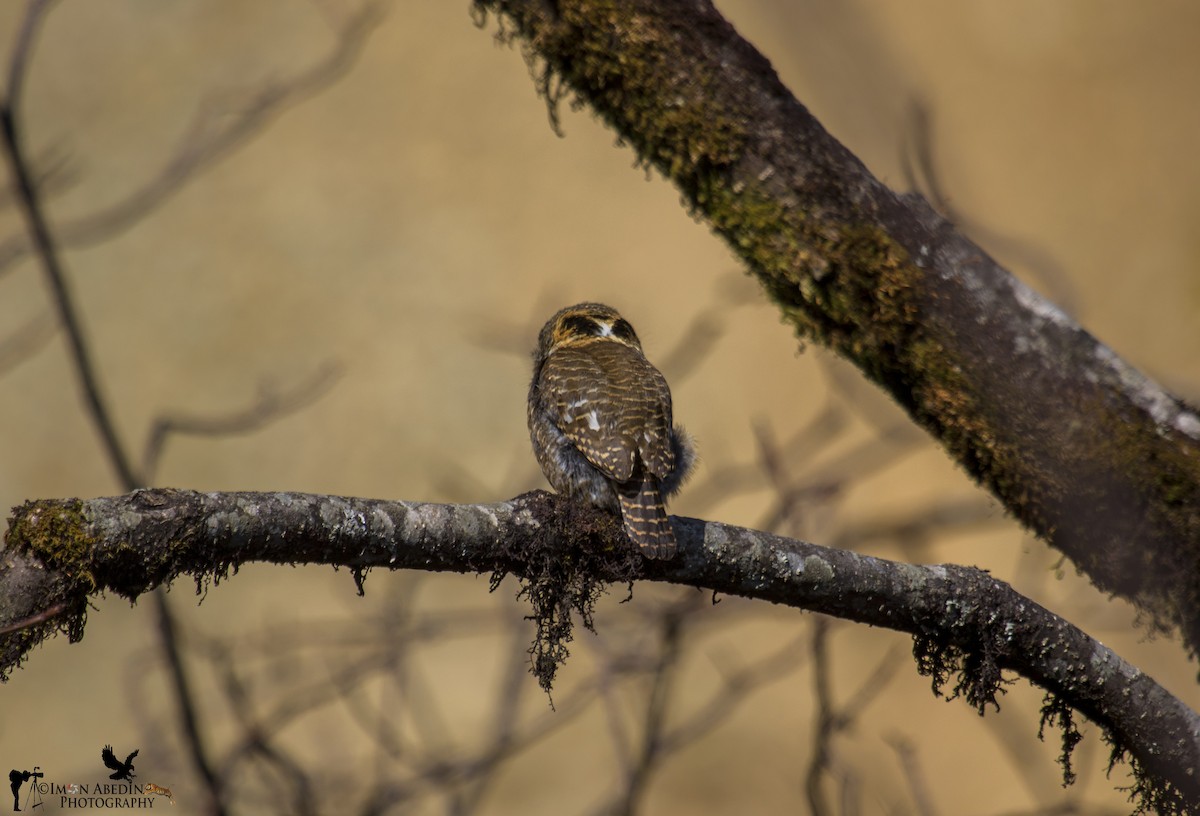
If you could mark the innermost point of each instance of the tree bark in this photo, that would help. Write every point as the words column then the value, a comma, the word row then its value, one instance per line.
column 59, row 552
column 1083, row 449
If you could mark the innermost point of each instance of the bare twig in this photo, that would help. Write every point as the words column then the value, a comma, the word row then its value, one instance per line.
column 906, row 752
column 272, row 404
column 706, row 327
column 805, row 444
column 648, row 755
column 51, row 173
column 34, row 620
column 298, row 790
column 185, row 700
column 216, row 131
column 18, row 64
column 825, row 725
column 736, row 687
column 833, row 718
column 44, row 245
column 911, row 530
column 507, row 707
column 920, row 170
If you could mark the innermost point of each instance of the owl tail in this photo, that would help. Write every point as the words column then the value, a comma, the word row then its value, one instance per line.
column 646, row 521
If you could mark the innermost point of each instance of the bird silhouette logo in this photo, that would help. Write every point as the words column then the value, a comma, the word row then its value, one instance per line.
column 120, row 770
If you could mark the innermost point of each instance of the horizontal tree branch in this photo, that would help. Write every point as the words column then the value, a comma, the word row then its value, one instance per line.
column 1082, row 448
column 57, row 553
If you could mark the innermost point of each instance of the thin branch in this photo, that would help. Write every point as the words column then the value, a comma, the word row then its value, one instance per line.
column 185, row 702
column 736, row 687
column 271, row 405
column 826, row 725
column 920, row 171
column 298, row 788
column 833, row 718
column 662, row 676
column 506, row 709
column 18, row 65
column 51, row 173
column 47, row 253
column 215, row 132
column 914, row 528
column 33, row 620
column 906, row 752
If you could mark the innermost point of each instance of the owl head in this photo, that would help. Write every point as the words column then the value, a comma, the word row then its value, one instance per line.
column 585, row 323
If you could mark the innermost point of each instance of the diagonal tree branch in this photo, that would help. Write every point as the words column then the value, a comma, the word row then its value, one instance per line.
column 1082, row 448
column 963, row 621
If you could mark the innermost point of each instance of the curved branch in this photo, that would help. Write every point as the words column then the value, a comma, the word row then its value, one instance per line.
column 58, row 552
column 1082, row 448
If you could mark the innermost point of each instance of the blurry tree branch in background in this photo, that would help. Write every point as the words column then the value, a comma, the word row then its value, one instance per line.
column 833, row 718
column 223, row 122
column 919, row 165
column 1082, row 448
column 272, row 404
column 216, row 131
column 964, row 622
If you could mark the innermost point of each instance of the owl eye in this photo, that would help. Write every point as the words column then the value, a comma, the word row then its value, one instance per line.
column 623, row 330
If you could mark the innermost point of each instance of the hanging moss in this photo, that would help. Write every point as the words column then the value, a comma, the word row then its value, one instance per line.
column 564, row 571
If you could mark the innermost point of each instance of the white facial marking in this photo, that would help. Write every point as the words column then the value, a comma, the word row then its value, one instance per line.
column 605, row 328
column 593, row 420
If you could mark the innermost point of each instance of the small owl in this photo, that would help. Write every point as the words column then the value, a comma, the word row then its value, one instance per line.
column 600, row 421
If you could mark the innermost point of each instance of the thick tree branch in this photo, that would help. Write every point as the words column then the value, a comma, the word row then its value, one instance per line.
column 59, row 552
column 1081, row 447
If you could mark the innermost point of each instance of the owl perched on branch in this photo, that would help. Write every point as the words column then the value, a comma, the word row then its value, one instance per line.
column 600, row 421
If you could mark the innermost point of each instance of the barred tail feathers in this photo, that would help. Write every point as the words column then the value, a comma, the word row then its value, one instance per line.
column 646, row 521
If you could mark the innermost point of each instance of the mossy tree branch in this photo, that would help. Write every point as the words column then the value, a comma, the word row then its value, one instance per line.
column 58, row 553
column 1083, row 449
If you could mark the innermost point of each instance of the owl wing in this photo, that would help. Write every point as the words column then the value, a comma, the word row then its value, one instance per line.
column 588, row 408
column 614, row 406
column 651, row 414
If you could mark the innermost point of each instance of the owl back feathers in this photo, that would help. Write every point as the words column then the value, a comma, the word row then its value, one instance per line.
column 600, row 400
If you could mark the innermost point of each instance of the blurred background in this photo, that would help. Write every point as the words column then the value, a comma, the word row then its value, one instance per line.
column 322, row 240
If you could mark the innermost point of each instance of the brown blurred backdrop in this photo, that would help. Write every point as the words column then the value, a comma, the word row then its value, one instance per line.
column 417, row 221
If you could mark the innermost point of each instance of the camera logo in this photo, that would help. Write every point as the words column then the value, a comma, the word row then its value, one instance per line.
column 18, row 778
